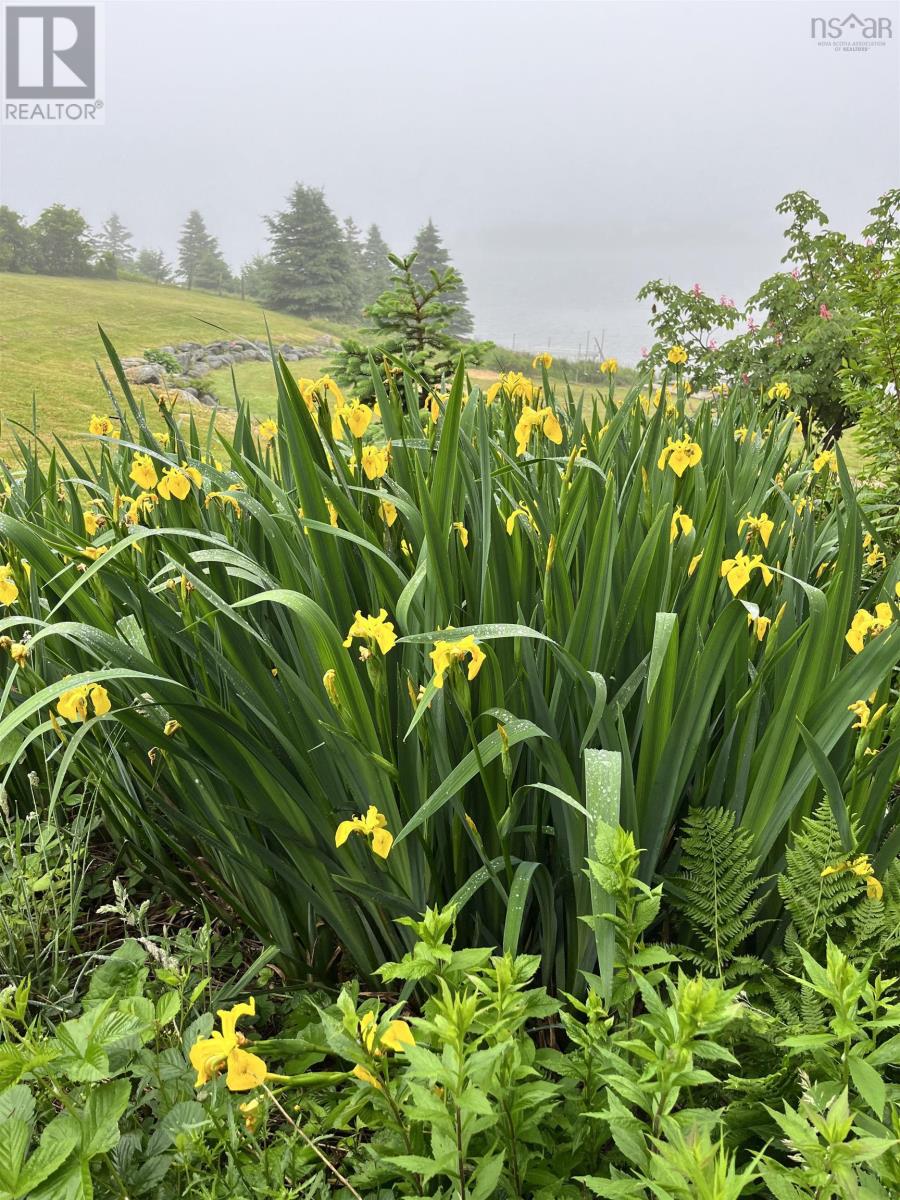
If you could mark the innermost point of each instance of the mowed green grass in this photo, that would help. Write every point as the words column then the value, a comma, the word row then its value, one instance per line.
column 49, row 341
column 255, row 382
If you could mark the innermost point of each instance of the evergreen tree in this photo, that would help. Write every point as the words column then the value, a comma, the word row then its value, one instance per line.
column 432, row 255
column 200, row 262
column 212, row 272
column 412, row 320
column 256, row 277
column 60, row 242
column 375, row 265
column 14, row 240
column 311, row 267
column 353, row 242
column 115, row 240
column 152, row 263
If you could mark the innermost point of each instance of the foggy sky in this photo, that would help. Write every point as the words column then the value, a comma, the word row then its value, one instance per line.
column 566, row 151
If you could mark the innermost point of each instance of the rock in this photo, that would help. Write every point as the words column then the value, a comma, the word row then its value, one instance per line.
column 214, row 361
column 290, row 355
column 148, row 373
column 193, row 392
column 199, row 368
column 208, row 399
column 189, row 346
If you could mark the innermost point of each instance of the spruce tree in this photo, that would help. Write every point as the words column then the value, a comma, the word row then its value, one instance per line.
column 115, row 240
column 353, row 242
column 376, row 268
column 411, row 320
column 200, row 262
column 311, row 267
column 432, row 255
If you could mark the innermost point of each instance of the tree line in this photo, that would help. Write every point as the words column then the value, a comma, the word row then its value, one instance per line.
column 316, row 265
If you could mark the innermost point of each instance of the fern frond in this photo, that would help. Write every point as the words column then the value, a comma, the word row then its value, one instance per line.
column 820, row 906
column 717, row 890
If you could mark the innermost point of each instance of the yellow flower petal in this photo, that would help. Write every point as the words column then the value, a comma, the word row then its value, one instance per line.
column 245, row 1071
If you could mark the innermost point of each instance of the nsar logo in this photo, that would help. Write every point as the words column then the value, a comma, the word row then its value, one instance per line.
column 870, row 29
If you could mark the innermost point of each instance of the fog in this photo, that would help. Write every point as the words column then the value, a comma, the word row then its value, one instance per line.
column 567, row 151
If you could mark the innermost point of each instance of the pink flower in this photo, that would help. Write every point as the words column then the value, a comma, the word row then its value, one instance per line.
column 697, row 289
column 870, row 241
column 779, row 338
column 645, row 353
column 726, row 301
column 712, row 344
column 752, row 326
column 795, row 274
column 745, row 378
column 824, row 312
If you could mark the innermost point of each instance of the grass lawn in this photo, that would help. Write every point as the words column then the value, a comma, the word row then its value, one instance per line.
column 256, row 382
column 49, row 340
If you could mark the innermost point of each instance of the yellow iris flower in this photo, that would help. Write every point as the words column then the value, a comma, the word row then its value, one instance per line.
column 388, row 512
column 609, row 366
column 176, row 483
column 9, row 591
column 516, row 385
column 737, row 571
column 763, row 525
column 373, row 826
column 73, row 704
column 861, row 867
column 677, row 355
column 224, row 500
column 679, row 455
column 827, row 459
column 268, row 431
column 223, row 1048
column 779, row 391
column 357, row 417
column 373, row 629
column 102, row 427
column 143, row 472
column 532, row 418
column 376, row 460
column 447, row 654
column 866, row 624
column 522, row 511
column 542, row 360
column 144, row 503
column 759, row 625
column 862, row 712
column 463, row 533
column 680, row 520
